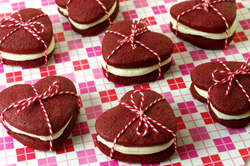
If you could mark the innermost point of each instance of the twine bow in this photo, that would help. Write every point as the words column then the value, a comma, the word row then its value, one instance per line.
column 47, row 94
column 29, row 26
column 204, row 6
column 231, row 76
column 131, row 39
column 144, row 119
column 99, row 2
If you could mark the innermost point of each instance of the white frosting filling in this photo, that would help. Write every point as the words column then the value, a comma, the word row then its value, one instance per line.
column 217, row 36
column 43, row 138
column 86, row 26
column 63, row 10
column 229, row 117
column 201, row 92
column 220, row 115
column 25, row 57
column 136, row 150
column 134, row 71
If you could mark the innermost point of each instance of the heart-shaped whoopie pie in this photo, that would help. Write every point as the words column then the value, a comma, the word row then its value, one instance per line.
column 21, row 47
column 231, row 110
column 135, row 63
column 132, row 145
column 88, row 17
column 204, row 29
column 29, row 126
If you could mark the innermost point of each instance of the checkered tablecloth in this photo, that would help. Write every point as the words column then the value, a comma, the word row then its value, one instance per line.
column 201, row 141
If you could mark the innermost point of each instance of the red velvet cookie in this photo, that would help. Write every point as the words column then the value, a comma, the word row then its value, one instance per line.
column 21, row 48
column 132, row 145
column 88, row 17
column 29, row 126
column 127, row 65
column 230, row 110
column 204, row 29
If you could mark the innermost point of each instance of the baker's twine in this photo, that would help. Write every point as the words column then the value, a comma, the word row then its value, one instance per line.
column 100, row 3
column 204, row 6
column 231, row 76
column 144, row 119
column 29, row 26
column 47, row 94
column 131, row 39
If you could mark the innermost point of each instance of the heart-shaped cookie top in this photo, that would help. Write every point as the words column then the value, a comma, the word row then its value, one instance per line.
column 59, row 108
column 126, row 56
column 114, row 120
column 23, row 42
column 86, row 11
column 201, row 20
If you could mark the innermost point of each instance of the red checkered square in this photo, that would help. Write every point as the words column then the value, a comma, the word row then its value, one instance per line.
column 207, row 119
column 152, row 20
column 48, row 71
column 181, row 126
column 68, row 147
column 59, row 37
column 179, row 119
column 179, row 47
column 239, row 37
column 218, row 164
column 5, row 15
column 144, row 86
column 245, row 158
column 176, row 83
column 215, row 158
column 94, row 139
column 175, row 164
column 81, row 65
column 108, row 96
column 244, row 152
column 206, row 160
column 239, row 5
column 14, row 77
column 25, row 154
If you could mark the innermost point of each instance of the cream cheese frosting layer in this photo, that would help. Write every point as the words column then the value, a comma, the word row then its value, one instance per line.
column 217, row 36
column 219, row 114
column 134, row 71
column 43, row 138
column 86, row 26
column 229, row 117
column 201, row 92
column 25, row 57
column 136, row 150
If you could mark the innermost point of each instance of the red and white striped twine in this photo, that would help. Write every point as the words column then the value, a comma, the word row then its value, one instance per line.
column 232, row 76
column 29, row 25
column 47, row 94
column 143, row 119
column 131, row 39
column 100, row 3
column 204, row 6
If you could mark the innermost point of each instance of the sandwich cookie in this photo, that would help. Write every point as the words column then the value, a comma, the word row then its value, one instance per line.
column 131, row 54
column 226, row 86
column 40, row 116
column 146, row 133
column 208, row 24
column 26, row 38
column 89, row 17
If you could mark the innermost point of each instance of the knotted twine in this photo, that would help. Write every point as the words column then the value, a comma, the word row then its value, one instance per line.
column 131, row 39
column 47, row 94
column 29, row 26
column 144, row 119
column 204, row 6
column 231, row 76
